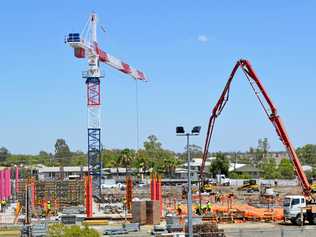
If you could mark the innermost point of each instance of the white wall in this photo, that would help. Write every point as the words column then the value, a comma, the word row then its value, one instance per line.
column 281, row 182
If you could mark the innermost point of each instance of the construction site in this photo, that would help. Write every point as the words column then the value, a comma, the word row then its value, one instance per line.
column 36, row 200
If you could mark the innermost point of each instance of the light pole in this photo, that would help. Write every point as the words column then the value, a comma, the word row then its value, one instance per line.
column 181, row 132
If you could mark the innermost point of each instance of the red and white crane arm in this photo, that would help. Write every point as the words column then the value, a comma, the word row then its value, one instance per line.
column 271, row 112
column 87, row 47
column 82, row 48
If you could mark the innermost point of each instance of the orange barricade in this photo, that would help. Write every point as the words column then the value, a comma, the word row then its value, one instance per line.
column 253, row 213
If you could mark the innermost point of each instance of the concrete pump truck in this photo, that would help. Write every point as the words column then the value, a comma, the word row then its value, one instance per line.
column 297, row 208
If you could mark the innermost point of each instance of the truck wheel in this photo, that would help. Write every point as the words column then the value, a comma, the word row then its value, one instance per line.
column 298, row 220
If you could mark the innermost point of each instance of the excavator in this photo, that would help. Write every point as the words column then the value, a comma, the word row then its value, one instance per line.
column 249, row 186
column 297, row 208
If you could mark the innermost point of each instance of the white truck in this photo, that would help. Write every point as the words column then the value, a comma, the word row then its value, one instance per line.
column 298, row 211
column 222, row 180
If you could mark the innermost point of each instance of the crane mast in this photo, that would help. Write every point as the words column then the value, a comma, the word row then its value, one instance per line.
column 85, row 46
column 271, row 112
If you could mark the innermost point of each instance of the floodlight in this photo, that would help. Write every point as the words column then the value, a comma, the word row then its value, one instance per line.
column 180, row 130
column 196, row 130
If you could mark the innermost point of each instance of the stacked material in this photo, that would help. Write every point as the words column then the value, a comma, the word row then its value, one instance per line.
column 72, row 210
column 131, row 227
column 68, row 219
column 139, row 212
column 153, row 212
column 146, row 212
column 173, row 224
column 125, row 229
column 159, row 230
column 112, row 209
column 207, row 230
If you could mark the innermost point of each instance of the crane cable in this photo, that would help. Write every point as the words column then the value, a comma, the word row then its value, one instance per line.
column 137, row 116
column 136, row 98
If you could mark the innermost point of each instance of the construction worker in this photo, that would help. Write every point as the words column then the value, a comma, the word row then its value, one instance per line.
column 184, row 192
column 48, row 207
column 208, row 206
column 179, row 209
column 3, row 204
column 198, row 210
column 275, row 183
column 204, row 209
column 124, row 204
column 218, row 196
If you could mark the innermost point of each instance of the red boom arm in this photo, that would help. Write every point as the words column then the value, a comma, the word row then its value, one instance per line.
column 270, row 111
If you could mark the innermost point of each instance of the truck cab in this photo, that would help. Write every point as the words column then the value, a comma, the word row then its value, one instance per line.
column 293, row 206
column 222, row 180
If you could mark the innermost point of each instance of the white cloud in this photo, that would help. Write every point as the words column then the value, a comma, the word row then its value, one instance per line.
column 202, row 38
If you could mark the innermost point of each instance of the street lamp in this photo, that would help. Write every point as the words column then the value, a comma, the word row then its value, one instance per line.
column 194, row 132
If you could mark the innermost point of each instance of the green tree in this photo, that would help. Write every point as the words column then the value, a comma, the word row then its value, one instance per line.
column 234, row 175
column 61, row 148
column 169, row 163
column 161, row 160
column 43, row 154
column 261, row 152
column 110, row 158
column 220, row 165
column 45, row 158
column 141, row 160
column 152, row 144
column 195, row 151
column 4, row 153
column 307, row 154
column 62, row 152
column 153, row 151
column 126, row 158
column 286, row 169
column 263, row 145
column 311, row 175
column 270, row 170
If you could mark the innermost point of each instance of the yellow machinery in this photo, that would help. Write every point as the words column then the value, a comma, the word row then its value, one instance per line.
column 208, row 188
column 249, row 186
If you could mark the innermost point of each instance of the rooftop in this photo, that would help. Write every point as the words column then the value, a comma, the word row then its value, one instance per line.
column 233, row 166
column 52, row 169
column 248, row 168
column 197, row 162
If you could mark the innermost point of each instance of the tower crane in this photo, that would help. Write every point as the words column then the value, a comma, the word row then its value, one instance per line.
column 85, row 45
column 306, row 202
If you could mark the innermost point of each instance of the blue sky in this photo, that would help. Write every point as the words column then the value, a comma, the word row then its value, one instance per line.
column 187, row 49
